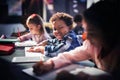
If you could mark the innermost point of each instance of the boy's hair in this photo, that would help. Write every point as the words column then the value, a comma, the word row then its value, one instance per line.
column 68, row 19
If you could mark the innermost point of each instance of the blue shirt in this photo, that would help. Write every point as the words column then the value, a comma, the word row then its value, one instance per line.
column 69, row 42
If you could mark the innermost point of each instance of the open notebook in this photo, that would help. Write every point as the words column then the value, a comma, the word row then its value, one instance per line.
column 73, row 69
column 50, row 75
column 25, row 43
column 32, row 54
column 8, row 40
column 29, row 57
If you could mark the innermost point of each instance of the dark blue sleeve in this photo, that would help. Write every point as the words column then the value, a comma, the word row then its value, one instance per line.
column 53, row 47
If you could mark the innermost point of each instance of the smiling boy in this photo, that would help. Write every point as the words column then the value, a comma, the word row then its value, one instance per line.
column 65, row 38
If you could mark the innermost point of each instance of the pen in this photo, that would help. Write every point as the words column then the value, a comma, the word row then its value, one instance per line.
column 3, row 37
column 19, row 33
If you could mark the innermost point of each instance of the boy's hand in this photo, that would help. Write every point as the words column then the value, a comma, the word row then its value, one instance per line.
column 37, row 49
column 31, row 49
column 42, row 67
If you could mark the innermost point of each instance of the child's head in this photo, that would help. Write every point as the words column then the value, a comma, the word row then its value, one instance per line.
column 78, row 18
column 35, row 24
column 62, row 23
column 101, row 24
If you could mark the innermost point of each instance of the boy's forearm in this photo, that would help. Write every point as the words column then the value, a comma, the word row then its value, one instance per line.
column 42, row 49
column 43, row 43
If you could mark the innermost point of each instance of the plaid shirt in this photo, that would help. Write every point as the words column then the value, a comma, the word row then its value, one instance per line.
column 69, row 42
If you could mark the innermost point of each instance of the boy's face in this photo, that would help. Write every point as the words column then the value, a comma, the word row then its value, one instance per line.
column 60, row 29
column 33, row 28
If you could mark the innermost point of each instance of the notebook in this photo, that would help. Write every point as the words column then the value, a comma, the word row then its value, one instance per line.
column 6, row 48
column 24, row 59
column 25, row 43
column 8, row 40
column 50, row 75
column 32, row 54
column 29, row 57
column 92, row 72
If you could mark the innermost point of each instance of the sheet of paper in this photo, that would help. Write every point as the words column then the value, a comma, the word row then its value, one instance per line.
column 24, row 59
column 32, row 54
column 25, row 43
column 29, row 57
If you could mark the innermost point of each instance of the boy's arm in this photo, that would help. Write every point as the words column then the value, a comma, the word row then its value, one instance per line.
column 43, row 43
column 53, row 50
column 37, row 49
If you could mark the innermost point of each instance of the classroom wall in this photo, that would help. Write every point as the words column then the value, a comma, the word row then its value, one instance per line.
column 89, row 2
column 8, row 29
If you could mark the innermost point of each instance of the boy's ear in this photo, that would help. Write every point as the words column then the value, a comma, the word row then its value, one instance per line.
column 71, row 27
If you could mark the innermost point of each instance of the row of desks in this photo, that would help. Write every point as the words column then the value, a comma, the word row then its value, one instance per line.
column 14, row 71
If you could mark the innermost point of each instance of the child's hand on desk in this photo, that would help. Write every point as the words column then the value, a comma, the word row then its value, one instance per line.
column 31, row 49
column 37, row 49
column 43, row 67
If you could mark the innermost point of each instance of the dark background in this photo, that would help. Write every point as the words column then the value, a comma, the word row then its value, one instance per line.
column 28, row 7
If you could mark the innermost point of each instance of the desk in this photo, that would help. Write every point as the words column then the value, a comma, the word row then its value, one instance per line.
column 12, row 71
column 18, row 52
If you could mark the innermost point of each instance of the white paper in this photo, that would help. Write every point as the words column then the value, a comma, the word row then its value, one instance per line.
column 32, row 54
column 23, row 59
column 25, row 43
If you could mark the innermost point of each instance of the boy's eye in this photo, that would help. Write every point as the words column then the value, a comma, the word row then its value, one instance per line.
column 60, row 27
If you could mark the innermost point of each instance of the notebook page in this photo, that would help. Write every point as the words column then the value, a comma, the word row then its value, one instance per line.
column 25, row 43
column 32, row 54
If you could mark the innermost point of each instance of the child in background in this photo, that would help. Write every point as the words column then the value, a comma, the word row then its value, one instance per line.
column 65, row 38
column 79, row 30
column 37, row 30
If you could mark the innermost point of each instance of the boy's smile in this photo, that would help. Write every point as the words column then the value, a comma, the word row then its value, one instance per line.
column 60, row 29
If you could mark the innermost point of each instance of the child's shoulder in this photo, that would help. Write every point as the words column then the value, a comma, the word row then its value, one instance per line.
column 71, row 34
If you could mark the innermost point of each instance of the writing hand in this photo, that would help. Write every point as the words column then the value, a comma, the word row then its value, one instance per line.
column 31, row 49
column 42, row 67
column 34, row 49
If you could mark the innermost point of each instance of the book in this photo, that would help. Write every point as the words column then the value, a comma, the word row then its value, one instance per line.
column 29, row 57
column 8, row 40
column 50, row 75
column 25, row 43
column 32, row 54
column 6, row 49
column 23, row 59
column 91, row 72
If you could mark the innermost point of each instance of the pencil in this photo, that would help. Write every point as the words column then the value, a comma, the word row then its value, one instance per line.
column 19, row 33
